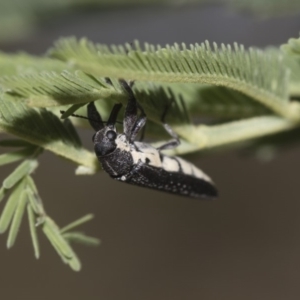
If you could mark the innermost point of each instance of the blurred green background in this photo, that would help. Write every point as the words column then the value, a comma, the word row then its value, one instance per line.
column 245, row 245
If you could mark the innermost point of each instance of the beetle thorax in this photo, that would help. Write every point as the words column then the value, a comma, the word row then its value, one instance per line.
column 122, row 142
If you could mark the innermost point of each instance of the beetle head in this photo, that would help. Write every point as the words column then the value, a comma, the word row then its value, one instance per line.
column 105, row 137
column 105, row 141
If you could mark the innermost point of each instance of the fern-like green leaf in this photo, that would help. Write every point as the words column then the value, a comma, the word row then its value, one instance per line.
column 76, row 223
column 81, row 238
column 22, row 170
column 34, row 201
column 25, row 64
column 10, row 206
column 16, row 221
column 60, row 244
column 241, row 130
column 43, row 128
column 207, row 101
column 24, row 195
column 259, row 75
column 50, row 89
column 14, row 156
column 33, row 233
column 3, row 192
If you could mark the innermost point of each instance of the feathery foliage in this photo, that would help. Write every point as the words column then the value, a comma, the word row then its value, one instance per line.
column 216, row 95
column 23, row 196
column 255, row 73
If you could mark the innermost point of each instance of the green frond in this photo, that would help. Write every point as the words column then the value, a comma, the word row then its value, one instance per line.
column 195, row 101
column 10, row 206
column 77, row 223
column 52, row 89
column 25, row 64
column 34, row 200
column 207, row 137
column 17, row 218
column 33, row 232
column 14, row 156
column 25, row 168
column 259, row 75
column 54, row 236
column 244, row 94
column 81, row 238
column 61, row 246
column 44, row 129
column 24, row 196
column 242, row 130
column 3, row 192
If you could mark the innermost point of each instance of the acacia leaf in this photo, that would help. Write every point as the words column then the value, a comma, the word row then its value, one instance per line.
column 25, row 168
column 41, row 127
column 257, row 74
column 33, row 233
column 10, row 206
column 17, row 219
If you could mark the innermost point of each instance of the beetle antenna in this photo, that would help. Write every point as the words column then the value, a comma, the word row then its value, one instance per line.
column 83, row 117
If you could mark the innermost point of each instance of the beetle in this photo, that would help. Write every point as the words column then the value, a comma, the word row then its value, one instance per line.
column 138, row 163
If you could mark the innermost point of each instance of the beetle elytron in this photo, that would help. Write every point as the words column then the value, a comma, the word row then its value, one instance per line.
column 139, row 163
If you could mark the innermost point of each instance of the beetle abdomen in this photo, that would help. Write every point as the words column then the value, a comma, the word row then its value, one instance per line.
column 173, row 182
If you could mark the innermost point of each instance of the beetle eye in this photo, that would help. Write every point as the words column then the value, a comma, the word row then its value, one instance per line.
column 111, row 135
column 93, row 138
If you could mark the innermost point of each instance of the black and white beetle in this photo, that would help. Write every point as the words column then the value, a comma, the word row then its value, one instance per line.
column 139, row 163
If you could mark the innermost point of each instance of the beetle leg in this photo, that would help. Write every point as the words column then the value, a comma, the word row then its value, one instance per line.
column 142, row 133
column 132, row 122
column 139, row 124
column 94, row 117
column 131, row 110
column 175, row 141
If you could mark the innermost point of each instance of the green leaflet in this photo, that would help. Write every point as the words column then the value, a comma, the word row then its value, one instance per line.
column 25, row 64
column 52, row 89
column 3, row 192
column 257, row 74
column 33, row 233
column 195, row 101
column 23, row 169
column 79, row 237
column 14, row 156
column 10, row 206
column 16, row 221
column 60, row 244
column 43, row 128
column 76, row 223
column 244, row 93
column 53, row 234
column 209, row 137
column 24, row 195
